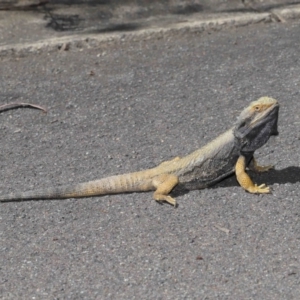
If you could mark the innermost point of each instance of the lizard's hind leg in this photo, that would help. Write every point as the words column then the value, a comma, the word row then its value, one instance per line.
column 164, row 184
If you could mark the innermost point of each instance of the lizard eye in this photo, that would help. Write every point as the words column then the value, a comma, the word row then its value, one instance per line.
column 257, row 108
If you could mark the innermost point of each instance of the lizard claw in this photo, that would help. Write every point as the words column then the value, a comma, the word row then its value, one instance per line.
column 168, row 199
column 261, row 186
column 171, row 200
column 259, row 189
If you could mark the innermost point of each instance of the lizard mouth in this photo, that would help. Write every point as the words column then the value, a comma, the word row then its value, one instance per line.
column 274, row 115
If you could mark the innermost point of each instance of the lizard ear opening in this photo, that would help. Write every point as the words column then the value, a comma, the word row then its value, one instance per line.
column 243, row 124
column 242, row 128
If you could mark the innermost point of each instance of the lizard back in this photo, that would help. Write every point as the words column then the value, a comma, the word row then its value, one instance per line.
column 210, row 163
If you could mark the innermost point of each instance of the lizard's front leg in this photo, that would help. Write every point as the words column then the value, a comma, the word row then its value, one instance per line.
column 244, row 179
column 164, row 184
column 254, row 166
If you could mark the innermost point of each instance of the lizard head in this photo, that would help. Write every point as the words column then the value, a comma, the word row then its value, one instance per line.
column 257, row 123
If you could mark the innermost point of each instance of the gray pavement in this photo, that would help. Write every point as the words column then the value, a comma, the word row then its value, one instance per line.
column 62, row 24
column 126, row 105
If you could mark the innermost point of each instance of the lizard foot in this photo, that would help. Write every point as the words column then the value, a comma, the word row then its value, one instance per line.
column 168, row 199
column 263, row 168
column 254, row 166
column 244, row 179
column 164, row 184
column 259, row 189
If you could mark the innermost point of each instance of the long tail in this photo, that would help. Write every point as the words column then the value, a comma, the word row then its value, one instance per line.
column 132, row 182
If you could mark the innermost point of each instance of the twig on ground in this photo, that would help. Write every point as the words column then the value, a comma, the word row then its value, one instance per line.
column 20, row 104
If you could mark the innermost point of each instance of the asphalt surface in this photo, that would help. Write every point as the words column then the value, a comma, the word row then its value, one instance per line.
column 62, row 24
column 127, row 106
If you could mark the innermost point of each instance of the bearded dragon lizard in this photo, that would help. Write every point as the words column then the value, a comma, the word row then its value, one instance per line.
column 231, row 152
